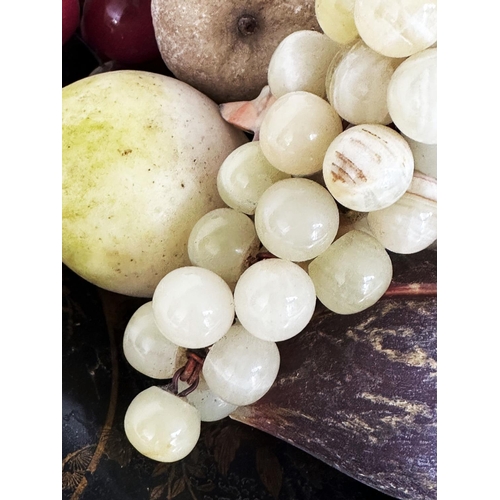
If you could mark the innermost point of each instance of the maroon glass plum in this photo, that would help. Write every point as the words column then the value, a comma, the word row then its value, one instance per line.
column 120, row 30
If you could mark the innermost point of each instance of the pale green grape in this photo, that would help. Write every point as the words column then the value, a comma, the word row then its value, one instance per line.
column 410, row 224
column 358, row 85
column 336, row 18
column 397, row 28
column 296, row 132
column 352, row 274
column 244, row 175
column 296, row 219
column 162, row 426
column 274, row 299
column 209, row 404
column 193, row 307
column 300, row 62
column 223, row 241
column 240, row 368
column 412, row 97
column 146, row 349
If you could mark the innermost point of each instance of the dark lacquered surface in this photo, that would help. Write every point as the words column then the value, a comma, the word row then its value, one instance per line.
column 231, row 461
column 359, row 391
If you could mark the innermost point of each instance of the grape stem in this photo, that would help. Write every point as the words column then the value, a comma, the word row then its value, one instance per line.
column 189, row 373
column 411, row 289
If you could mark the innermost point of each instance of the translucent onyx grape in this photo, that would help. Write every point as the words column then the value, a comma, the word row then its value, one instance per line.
column 368, row 167
column 274, row 299
column 296, row 132
column 331, row 68
column 300, row 62
column 209, row 404
column 193, row 307
column 424, row 156
column 244, row 175
column 146, row 349
column 240, row 368
column 352, row 274
column 162, row 426
column 410, row 224
column 223, row 241
column 397, row 28
column 336, row 18
column 412, row 97
column 358, row 85
column 296, row 219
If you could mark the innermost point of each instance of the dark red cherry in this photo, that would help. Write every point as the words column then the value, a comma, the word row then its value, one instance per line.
column 120, row 30
column 70, row 18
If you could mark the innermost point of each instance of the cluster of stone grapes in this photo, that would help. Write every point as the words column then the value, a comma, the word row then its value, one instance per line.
column 351, row 124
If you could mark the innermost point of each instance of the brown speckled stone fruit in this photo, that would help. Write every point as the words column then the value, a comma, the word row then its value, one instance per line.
column 223, row 48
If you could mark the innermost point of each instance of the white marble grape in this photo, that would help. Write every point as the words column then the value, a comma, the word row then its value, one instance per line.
column 296, row 219
column 368, row 167
column 300, row 62
column 244, row 175
column 274, row 299
column 357, row 88
column 336, row 18
column 397, row 28
column 409, row 225
column 210, row 405
column 296, row 132
column 240, row 368
column 352, row 274
column 147, row 350
column 412, row 97
column 224, row 241
column 162, row 426
column 193, row 307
